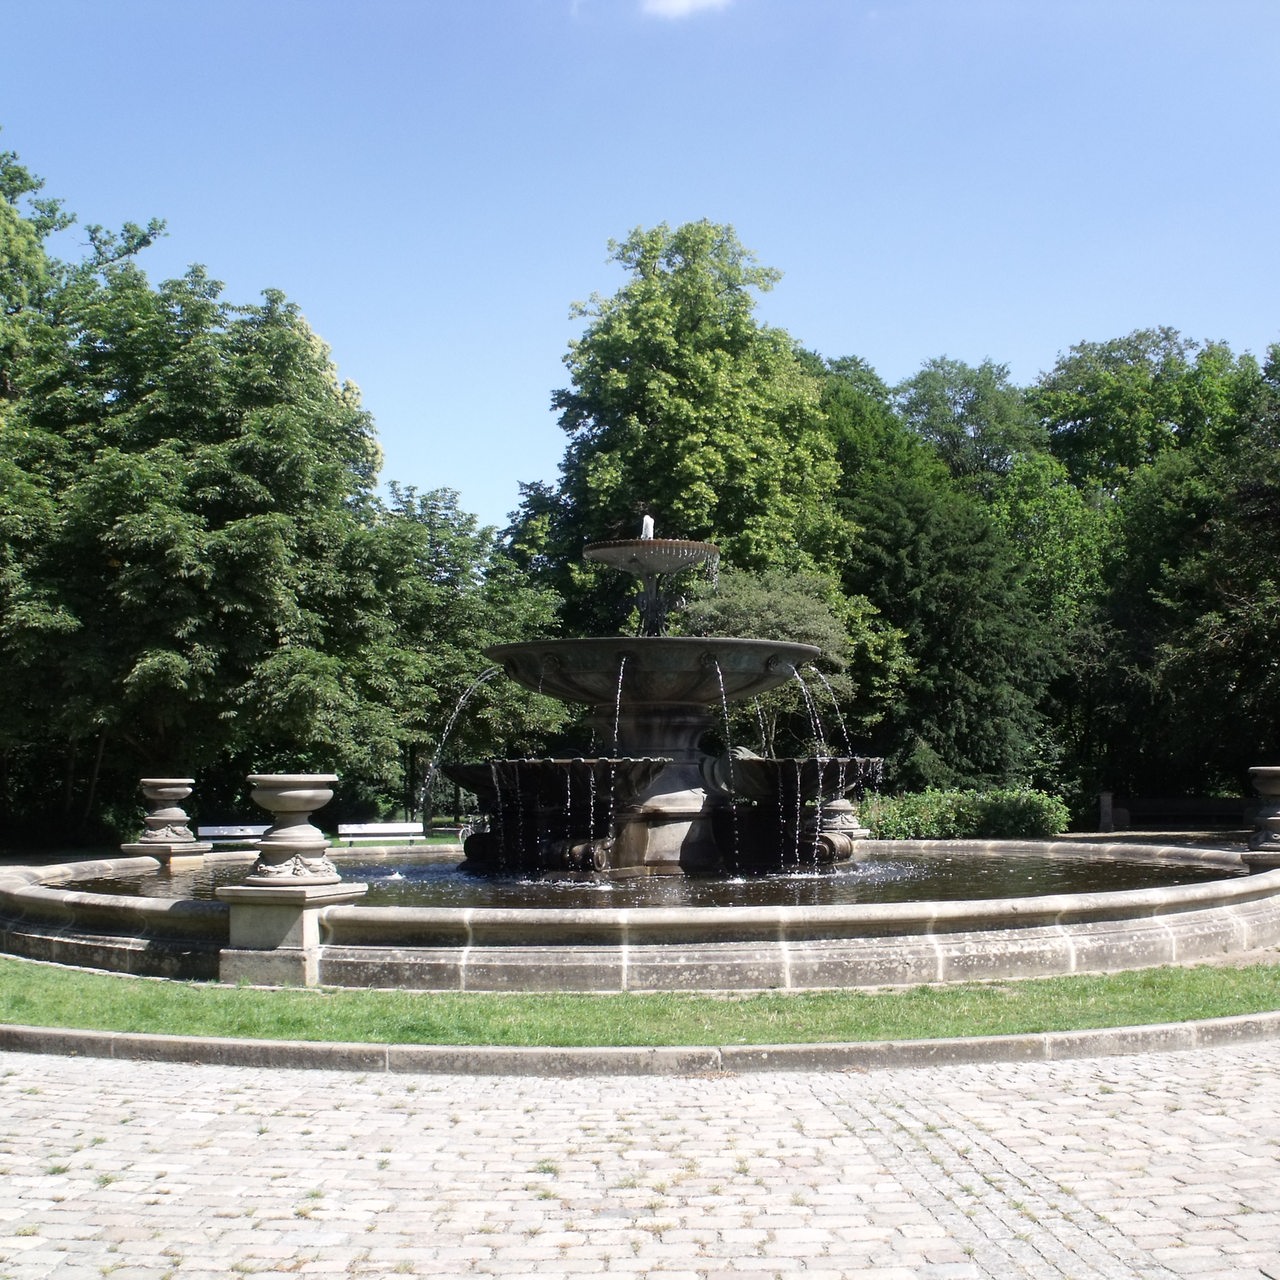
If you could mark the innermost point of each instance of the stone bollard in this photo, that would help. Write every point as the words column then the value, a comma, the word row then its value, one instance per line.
column 275, row 927
column 167, row 837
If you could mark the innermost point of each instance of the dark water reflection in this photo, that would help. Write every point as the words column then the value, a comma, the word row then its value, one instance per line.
column 907, row 877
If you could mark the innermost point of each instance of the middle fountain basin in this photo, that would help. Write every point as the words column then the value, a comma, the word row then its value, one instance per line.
column 650, row 697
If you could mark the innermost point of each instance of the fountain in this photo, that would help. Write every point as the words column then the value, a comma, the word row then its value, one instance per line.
column 651, row 810
column 672, row 809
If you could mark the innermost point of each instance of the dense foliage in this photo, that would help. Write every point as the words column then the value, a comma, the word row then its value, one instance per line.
column 1001, row 814
column 1066, row 586
column 196, row 576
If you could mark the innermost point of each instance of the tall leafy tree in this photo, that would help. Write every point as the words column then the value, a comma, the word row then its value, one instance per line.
column 930, row 558
column 203, row 476
column 1195, row 601
column 976, row 419
column 1112, row 407
column 195, row 573
column 1063, row 538
column 681, row 405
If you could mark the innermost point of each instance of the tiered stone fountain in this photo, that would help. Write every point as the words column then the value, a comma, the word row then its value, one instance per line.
column 651, row 802
column 655, row 803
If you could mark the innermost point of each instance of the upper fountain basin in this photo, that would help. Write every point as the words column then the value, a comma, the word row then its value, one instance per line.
column 645, row 557
column 654, row 670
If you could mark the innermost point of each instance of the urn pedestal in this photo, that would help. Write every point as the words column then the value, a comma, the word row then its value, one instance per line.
column 276, row 926
column 292, row 850
column 1264, row 844
column 167, row 837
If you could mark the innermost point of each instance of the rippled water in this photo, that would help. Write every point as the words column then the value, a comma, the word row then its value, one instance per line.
column 888, row 877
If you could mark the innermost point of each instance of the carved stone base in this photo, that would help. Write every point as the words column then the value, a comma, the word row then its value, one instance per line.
column 296, row 870
column 274, row 932
column 177, row 854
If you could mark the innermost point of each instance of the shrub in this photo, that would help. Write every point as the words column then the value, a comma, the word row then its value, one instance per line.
column 966, row 815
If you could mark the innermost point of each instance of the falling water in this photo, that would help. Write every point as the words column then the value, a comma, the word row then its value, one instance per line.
column 728, row 747
column 835, row 704
column 568, row 799
column 483, row 678
column 617, row 703
column 499, row 810
column 764, row 733
column 815, row 723
column 798, row 816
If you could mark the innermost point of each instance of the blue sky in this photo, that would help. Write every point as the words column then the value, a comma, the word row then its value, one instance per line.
column 434, row 183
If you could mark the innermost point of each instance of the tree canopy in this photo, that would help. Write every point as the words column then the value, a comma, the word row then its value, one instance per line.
column 196, row 574
column 1069, row 584
column 682, row 406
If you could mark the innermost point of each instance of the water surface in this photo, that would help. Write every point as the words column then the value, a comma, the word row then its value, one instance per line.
column 915, row 876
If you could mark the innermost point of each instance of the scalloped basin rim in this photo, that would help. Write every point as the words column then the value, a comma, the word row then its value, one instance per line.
column 643, row 556
column 292, row 779
column 690, row 670
column 614, row 644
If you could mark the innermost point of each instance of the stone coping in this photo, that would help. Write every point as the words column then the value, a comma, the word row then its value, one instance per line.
column 674, row 1060
column 787, row 947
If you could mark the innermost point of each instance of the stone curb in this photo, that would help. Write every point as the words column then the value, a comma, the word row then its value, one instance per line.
column 623, row 1060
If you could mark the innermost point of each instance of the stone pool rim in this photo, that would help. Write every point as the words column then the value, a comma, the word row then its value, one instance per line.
column 751, row 948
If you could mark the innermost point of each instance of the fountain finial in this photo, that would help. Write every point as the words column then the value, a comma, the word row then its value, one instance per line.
column 646, row 528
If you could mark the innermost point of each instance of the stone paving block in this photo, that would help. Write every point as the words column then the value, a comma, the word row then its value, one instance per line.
column 899, row 1171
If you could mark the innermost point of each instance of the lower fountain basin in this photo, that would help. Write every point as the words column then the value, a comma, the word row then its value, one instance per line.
column 690, row 948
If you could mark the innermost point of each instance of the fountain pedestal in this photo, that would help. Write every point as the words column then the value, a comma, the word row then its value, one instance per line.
column 275, row 925
column 667, row 829
column 167, row 837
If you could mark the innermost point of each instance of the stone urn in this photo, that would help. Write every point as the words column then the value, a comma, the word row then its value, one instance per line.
column 292, row 851
column 166, row 831
column 275, row 934
column 1264, row 844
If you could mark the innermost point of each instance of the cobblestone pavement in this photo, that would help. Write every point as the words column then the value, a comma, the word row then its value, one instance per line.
column 1157, row 1165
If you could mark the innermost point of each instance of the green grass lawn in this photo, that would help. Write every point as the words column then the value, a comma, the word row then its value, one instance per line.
column 46, row 995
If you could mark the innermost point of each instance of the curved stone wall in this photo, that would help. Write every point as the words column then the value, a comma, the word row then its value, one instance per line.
column 674, row 949
column 151, row 937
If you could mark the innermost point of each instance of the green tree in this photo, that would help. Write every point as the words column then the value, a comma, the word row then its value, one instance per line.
column 857, row 671
column 979, row 422
column 1063, row 538
column 451, row 590
column 1112, row 407
column 929, row 557
column 1195, row 598
column 682, row 406
column 195, row 572
column 200, row 479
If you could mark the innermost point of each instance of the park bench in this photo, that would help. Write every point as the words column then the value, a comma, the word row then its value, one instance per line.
column 1172, row 813
column 365, row 831
column 232, row 834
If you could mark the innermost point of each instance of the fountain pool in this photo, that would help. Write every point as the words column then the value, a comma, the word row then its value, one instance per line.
column 885, row 873
column 792, row 943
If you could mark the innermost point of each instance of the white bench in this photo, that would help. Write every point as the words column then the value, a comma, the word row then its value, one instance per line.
column 364, row 831
column 231, row 834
